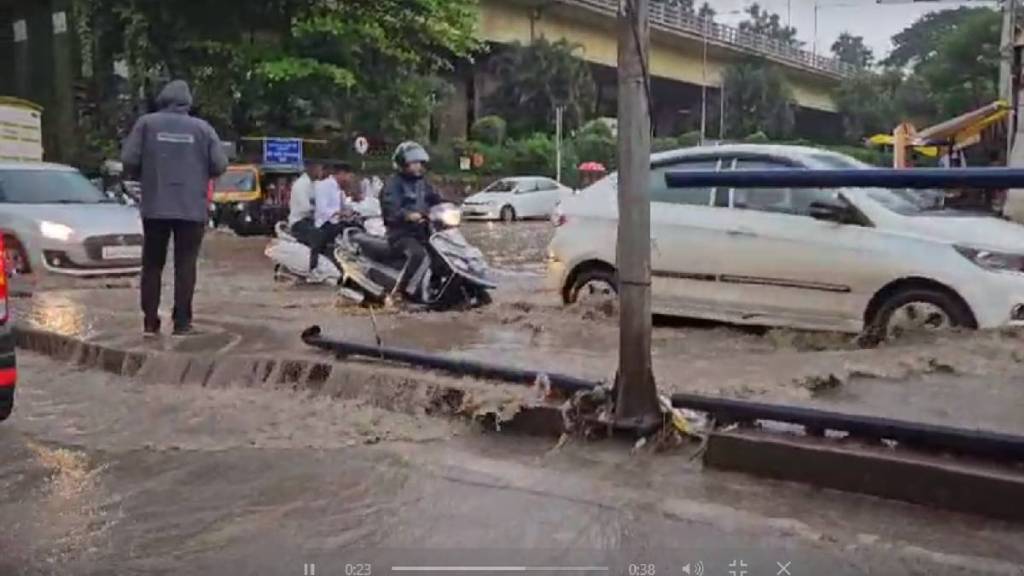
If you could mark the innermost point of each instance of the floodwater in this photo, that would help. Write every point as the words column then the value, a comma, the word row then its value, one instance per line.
column 972, row 380
column 106, row 475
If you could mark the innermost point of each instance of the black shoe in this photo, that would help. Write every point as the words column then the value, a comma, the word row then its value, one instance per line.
column 151, row 328
column 187, row 330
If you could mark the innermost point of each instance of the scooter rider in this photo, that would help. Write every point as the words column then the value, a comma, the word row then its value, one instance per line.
column 405, row 202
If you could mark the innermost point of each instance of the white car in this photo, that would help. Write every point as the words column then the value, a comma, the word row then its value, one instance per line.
column 54, row 220
column 837, row 259
column 512, row 199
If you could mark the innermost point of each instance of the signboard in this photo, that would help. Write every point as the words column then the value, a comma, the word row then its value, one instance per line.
column 60, row 23
column 20, row 30
column 362, row 145
column 465, row 163
column 282, row 151
column 21, row 131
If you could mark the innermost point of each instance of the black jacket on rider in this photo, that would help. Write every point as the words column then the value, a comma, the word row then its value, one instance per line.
column 404, row 195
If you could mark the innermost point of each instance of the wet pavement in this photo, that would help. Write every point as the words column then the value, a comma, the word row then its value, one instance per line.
column 107, row 475
column 971, row 380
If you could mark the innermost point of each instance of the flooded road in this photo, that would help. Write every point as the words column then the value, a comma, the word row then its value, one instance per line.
column 972, row 380
column 106, row 475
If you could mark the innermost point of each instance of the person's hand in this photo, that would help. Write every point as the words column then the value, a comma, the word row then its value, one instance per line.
column 414, row 217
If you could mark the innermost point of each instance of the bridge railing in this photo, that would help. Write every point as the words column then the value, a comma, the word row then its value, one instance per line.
column 672, row 18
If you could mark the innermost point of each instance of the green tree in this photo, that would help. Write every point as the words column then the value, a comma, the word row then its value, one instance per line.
column 851, row 49
column 964, row 75
column 919, row 42
column 757, row 99
column 287, row 65
column 867, row 105
column 534, row 80
column 761, row 21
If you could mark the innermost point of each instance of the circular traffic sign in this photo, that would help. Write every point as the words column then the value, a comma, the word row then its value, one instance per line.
column 362, row 145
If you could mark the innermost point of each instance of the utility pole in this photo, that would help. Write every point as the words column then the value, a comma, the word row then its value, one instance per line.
column 637, row 397
column 559, row 111
column 704, row 85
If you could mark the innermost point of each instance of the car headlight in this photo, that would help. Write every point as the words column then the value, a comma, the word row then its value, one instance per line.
column 55, row 231
column 992, row 260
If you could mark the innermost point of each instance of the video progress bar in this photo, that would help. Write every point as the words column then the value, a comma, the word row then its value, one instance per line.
column 499, row 569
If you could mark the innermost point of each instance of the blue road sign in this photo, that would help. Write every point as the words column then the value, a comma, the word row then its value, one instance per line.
column 282, row 151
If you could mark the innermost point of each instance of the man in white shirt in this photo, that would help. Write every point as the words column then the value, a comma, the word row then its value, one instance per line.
column 329, row 208
column 300, row 204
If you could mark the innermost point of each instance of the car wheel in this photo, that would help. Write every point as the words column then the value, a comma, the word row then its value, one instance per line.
column 593, row 286
column 15, row 257
column 919, row 310
column 508, row 214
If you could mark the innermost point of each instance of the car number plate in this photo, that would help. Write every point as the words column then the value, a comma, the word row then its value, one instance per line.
column 122, row 252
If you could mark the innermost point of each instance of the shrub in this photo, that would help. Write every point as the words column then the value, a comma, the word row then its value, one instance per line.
column 490, row 130
column 533, row 156
column 664, row 144
column 689, row 139
column 757, row 138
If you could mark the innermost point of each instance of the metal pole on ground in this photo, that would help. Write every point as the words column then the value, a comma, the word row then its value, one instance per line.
column 637, row 399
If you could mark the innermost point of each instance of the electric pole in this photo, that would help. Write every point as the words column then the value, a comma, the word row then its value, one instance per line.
column 637, row 401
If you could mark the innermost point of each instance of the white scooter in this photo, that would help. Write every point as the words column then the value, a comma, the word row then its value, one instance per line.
column 291, row 257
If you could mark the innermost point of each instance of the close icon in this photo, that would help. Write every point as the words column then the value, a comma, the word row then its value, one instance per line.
column 784, row 569
column 694, row 569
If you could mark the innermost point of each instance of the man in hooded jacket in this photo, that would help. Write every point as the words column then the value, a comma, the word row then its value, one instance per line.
column 176, row 155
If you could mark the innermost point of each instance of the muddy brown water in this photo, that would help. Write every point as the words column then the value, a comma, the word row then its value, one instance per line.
column 106, row 475
column 972, row 380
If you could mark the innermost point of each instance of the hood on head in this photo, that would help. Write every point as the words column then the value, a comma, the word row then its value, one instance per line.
column 175, row 96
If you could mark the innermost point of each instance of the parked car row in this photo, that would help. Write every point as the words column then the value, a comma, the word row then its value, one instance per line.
column 839, row 259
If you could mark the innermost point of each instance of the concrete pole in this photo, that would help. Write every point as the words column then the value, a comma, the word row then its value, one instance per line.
column 559, row 110
column 637, row 401
column 704, row 86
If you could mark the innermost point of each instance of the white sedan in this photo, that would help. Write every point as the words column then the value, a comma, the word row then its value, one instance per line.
column 511, row 199
column 843, row 259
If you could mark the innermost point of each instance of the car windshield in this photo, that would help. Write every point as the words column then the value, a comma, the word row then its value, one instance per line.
column 236, row 181
column 48, row 187
column 838, row 162
column 908, row 202
column 502, row 186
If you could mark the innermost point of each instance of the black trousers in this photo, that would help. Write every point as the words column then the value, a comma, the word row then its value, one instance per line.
column 304, row 231
column 415, row 262
column 320, row 242
column 188, row 237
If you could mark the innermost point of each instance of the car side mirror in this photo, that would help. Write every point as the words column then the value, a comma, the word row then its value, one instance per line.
column 835, row 211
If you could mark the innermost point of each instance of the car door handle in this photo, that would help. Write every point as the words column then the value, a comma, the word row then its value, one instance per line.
column 741, row 232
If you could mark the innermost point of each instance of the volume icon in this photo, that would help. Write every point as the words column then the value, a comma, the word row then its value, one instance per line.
column 694, row 569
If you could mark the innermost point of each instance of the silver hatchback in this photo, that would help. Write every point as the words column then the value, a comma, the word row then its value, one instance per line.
column 54, row 220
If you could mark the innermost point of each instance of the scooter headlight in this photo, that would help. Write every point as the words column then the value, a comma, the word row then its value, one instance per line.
column 448, row 215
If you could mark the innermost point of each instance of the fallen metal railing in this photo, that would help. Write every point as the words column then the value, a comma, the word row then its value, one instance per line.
column 980, row 443
column 568, row 384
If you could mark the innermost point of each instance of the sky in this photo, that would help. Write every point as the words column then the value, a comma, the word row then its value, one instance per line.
column 876, row 23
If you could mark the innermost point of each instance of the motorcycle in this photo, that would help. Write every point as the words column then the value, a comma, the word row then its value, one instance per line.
column 291, row 257
column 457, row 275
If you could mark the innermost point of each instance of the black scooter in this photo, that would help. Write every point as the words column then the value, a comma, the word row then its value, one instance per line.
column 457, row 275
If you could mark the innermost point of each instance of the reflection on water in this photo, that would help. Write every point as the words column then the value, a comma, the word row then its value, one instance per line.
column 519, row 246
column 59, row 313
